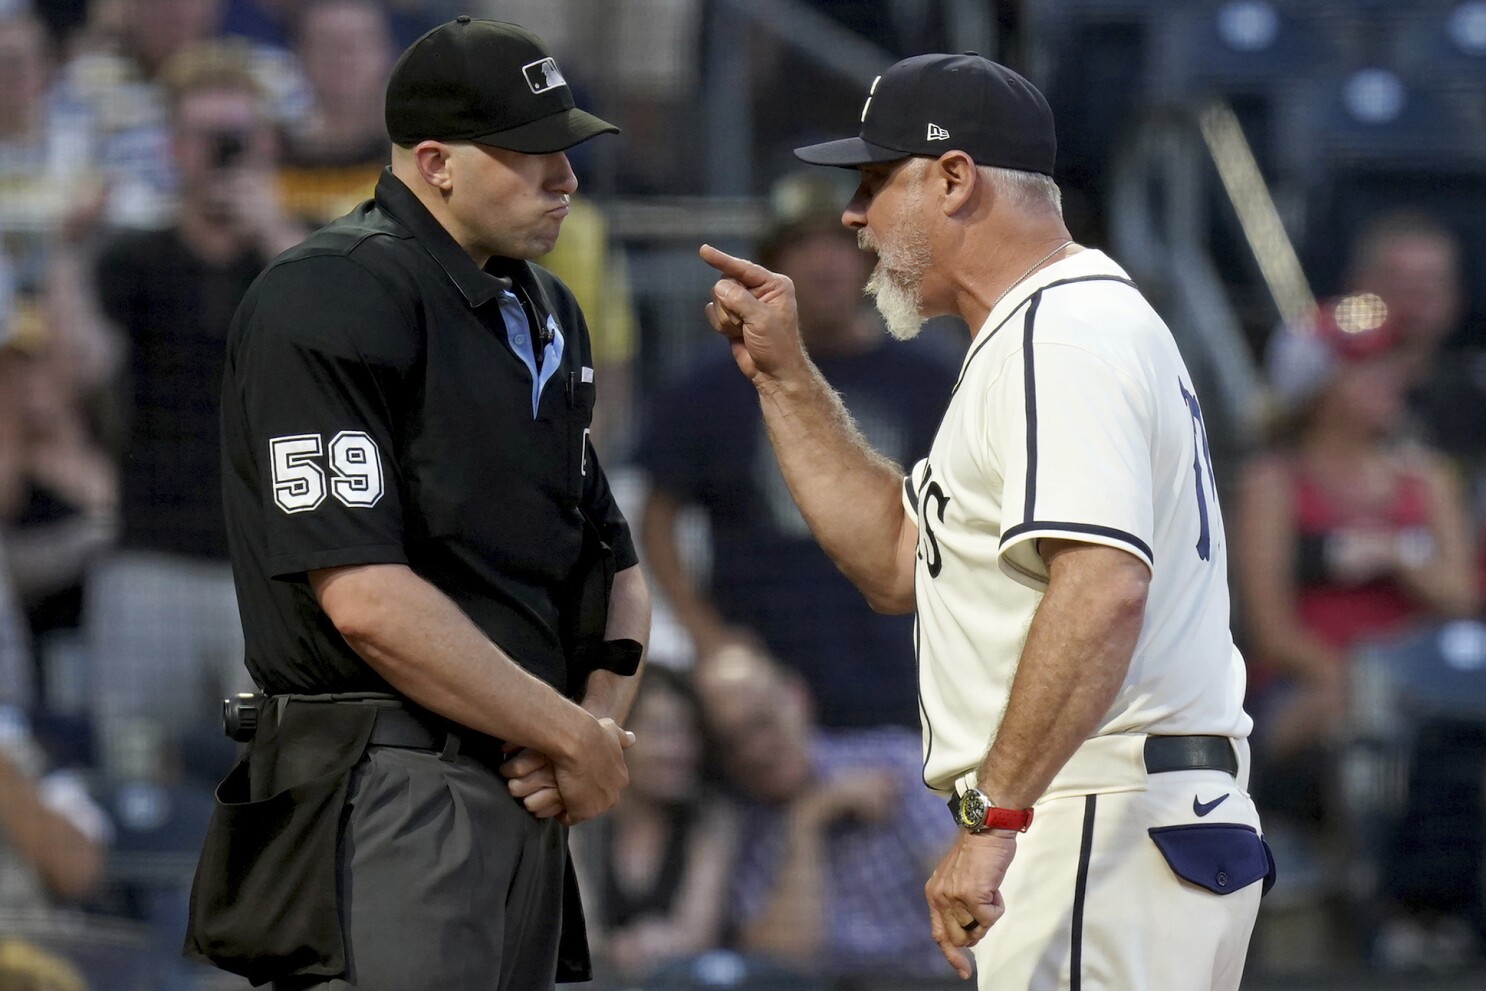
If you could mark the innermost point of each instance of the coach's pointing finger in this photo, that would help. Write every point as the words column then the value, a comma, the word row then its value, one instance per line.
column 755, row 310
column 750, row 274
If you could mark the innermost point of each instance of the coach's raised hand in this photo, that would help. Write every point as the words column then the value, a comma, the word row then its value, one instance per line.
column 754, row 309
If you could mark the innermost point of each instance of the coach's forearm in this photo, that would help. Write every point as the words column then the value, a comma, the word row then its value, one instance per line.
column 418, row 639
column 1076, row 657
column 849, row 494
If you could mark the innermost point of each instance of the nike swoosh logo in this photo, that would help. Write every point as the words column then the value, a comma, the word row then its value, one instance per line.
column 1203, row 808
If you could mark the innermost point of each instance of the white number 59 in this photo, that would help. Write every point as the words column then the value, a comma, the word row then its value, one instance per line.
column 299, row 481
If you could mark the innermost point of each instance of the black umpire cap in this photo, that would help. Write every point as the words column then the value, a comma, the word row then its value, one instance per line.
column 930, row 104
column 488, row 82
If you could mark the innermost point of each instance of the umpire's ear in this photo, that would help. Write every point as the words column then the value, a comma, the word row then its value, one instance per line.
column 432, row 160
column 958, row 185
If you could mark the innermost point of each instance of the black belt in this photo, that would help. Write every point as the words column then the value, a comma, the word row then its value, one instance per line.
column 397, row 725
column 412, row 730
column 1190, row 753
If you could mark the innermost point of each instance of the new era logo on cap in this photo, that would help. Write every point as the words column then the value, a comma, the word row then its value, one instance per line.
column 937, row 133
column 543, row 75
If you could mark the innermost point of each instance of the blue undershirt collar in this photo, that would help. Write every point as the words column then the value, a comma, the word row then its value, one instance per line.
column 518, row 333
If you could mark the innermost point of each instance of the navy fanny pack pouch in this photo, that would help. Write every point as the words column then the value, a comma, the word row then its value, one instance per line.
column 1222, row 857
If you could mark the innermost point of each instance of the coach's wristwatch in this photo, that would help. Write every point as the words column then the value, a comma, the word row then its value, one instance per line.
column 975, row 813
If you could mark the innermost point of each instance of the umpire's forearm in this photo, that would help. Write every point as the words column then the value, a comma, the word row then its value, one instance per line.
column 418, row 639
column 607, row 693
column 849, row 494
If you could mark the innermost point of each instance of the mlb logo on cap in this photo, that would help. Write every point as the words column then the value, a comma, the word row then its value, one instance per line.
column 543, row 75
column 457, row 83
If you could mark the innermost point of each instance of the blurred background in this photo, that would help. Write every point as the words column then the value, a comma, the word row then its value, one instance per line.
column 1299, row 186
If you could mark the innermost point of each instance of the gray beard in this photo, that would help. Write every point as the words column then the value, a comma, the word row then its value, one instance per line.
column 898, row 301
column 896, row 284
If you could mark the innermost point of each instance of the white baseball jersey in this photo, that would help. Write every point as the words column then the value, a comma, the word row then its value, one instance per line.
column 1074, row 417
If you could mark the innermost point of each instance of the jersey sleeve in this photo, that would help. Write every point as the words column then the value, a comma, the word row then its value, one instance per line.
column 1072, row 433
column 913, row 484
column 318, row 373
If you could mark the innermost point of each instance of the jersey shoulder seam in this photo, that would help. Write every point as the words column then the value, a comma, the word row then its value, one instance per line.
column 981, row 346
column 367, row 270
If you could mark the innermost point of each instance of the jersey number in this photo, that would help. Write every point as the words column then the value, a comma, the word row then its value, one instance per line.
column 299, row 483
column 1202, row 457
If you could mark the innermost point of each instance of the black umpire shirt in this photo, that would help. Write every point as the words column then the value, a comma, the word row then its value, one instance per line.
column 382, row 403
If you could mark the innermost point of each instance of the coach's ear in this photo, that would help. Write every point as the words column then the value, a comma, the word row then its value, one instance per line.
column 954, row 176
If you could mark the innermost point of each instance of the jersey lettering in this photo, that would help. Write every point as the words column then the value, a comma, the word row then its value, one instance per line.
column 300, row 484
column 932, row 491
column 1201, row 457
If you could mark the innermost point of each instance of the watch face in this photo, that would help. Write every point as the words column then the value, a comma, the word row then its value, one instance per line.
column 972, row 809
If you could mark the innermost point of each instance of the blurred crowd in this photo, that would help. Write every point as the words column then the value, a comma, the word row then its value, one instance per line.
column 155, row 154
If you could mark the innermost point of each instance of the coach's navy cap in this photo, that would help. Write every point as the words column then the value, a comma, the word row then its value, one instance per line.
column 488, row 82
column 931, row 104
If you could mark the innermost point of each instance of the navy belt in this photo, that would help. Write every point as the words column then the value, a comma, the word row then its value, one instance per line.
column 1190, row 753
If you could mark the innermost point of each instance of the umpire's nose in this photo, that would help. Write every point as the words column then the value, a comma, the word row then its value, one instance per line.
column 560, row 176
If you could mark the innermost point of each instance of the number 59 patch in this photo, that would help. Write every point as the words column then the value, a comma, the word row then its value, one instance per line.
column 300, row 483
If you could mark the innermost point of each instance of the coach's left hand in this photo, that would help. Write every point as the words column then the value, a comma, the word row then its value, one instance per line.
column 964, row 893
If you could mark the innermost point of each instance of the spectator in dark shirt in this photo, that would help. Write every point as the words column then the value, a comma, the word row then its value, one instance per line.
column 163, row 632
column 705, row 446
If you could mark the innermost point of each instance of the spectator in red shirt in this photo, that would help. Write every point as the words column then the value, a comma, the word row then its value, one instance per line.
column 1346, row 532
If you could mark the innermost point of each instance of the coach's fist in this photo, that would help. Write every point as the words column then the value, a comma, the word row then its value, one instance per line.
column 964, row 894
column 754, row 309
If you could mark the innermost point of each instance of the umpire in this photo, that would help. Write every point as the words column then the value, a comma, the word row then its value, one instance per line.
column 440, row 597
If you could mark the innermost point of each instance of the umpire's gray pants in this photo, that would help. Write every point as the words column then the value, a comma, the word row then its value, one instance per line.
column 447, row 882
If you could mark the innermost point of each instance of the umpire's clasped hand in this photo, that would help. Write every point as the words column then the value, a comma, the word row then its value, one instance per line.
column 590, row 778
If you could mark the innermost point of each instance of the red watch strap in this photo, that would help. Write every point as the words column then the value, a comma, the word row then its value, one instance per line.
column 1014, row 819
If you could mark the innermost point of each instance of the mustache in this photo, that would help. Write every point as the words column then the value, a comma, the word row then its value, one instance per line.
column 865, row 242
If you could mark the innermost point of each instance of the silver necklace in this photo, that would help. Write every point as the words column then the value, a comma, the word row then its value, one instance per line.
column 1040, row 262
